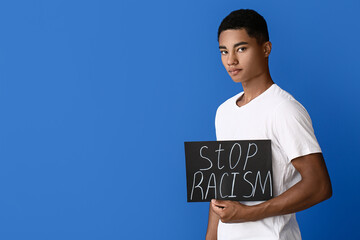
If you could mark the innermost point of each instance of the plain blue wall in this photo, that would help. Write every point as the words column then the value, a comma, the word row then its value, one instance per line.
column 97, row 98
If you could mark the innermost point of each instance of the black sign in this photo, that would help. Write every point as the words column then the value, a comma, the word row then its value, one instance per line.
column 229, row 170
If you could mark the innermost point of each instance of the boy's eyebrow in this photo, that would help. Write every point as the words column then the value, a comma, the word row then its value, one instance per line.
column 240, row 43
column 235, row 45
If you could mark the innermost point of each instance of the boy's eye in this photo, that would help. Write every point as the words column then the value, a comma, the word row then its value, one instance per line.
column 241, row 49
column 223, row 52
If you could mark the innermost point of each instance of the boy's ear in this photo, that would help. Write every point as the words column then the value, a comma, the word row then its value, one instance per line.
column 267, row 48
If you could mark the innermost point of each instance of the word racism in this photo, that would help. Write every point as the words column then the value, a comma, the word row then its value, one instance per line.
column 229, row 170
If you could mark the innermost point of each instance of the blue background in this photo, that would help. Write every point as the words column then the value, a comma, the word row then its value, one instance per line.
column 97, row 98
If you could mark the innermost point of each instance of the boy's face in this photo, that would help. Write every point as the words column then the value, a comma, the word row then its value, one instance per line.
column 242, row 56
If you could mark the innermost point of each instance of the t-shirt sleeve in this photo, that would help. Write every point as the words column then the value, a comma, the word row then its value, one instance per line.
column 293, row 130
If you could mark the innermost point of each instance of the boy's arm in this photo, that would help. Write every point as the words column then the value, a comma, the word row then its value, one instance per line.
column 314, row 187
column 211, row 233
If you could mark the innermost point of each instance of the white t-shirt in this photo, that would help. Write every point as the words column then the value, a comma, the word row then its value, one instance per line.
column 277, row 116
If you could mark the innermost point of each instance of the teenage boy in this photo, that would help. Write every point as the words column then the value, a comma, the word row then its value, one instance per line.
column 265, row 111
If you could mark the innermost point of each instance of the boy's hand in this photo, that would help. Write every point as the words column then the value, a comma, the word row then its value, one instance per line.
column 230, row 211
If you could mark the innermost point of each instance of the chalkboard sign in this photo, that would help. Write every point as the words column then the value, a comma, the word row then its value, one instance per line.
column 229, row 170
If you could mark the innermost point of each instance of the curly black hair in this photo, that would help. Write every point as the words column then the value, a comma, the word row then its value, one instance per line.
column 254, row 24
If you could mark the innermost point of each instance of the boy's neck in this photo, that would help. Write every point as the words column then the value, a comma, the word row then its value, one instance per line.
column 254, row 88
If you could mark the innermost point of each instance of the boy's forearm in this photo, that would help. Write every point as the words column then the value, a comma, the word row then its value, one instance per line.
column 314, row 187
column 296, row 199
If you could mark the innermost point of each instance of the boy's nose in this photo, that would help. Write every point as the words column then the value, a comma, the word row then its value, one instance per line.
column 232, row 60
